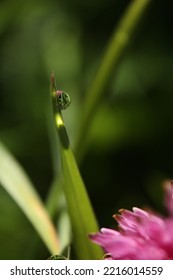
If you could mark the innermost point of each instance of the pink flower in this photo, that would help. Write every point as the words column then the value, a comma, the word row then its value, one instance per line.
column 142, row 235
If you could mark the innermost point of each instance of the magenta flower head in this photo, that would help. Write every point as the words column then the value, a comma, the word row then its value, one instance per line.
column 141, row 235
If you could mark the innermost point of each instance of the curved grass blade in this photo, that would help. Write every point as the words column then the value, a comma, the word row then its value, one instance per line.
column 80, row 210
column 15, row 181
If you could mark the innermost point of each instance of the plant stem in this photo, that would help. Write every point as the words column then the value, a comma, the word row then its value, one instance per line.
column 115, row 49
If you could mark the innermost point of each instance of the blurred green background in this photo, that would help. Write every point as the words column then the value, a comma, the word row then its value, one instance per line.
column 131, row 136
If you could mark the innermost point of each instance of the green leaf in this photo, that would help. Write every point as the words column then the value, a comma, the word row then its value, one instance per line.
column 15, row 181
column 80, row 210
column 113, row 54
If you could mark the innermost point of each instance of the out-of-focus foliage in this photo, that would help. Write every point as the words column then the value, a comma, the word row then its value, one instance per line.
column 19, row 187
column 131, row 136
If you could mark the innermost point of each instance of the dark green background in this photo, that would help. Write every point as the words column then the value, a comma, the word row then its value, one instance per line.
column 131, row 135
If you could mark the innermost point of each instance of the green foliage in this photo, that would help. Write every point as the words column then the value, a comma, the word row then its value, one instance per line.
column 80, row 211
column 119, row 122
column 57, row 257
column 18, row 185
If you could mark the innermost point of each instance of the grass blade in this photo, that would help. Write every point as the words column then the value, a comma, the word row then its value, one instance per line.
column 110, row 62
column 17, row 184
column 80, row 210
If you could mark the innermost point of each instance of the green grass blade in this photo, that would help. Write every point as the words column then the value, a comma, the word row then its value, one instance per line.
column 110, row 62
column 80, row 210
column 17, row 184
